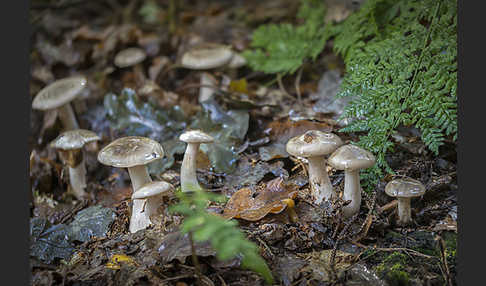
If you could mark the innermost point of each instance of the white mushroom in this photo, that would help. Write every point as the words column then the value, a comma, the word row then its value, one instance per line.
column 314, row 145
column 404, row 190
column 193, row 139
column 70, row 144
column 351, row 159
column 203, row 57
column 134, row 153
column 58, row 95
column 131, row 57
column 149, row 198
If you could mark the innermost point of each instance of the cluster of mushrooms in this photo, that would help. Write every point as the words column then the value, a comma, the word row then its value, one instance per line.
column 134, row 152
column 314, row 145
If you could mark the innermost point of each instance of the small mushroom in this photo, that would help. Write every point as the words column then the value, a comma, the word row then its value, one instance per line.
column 134, row 153
column 206, row 56
column 193, row 139
column 150, row 196
column 203, row 57
column 70, row 144
column 351, row 159
column 404, row 190
column 131, row 57
column 58, row 95
column 314, row 145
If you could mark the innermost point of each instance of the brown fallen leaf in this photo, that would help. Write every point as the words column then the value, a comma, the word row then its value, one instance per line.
column 252, row 205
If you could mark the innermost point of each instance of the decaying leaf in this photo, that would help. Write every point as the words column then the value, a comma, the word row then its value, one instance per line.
column 252, row 205
column 320, row 264
column 118, row 259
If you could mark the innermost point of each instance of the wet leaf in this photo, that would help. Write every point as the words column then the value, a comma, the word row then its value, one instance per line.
column 250, row 172
column 49, row 242
column 228, row 128
column 177, row 246
column 94, row 221
column 253, row 205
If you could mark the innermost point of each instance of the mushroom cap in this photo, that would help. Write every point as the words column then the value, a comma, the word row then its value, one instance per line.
column 313, row 143
column 195, row 136
column 351, row 157
column 130, row 151
column 206, row 56
column 74, row 139
column 129, row 57
column 59, row 93
column 405, row 188
column 152, row 189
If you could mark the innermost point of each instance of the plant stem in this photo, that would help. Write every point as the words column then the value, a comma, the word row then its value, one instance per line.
column 195, row 262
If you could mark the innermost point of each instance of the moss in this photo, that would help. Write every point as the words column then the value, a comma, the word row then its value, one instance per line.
column 450, row 240
column 392, row 269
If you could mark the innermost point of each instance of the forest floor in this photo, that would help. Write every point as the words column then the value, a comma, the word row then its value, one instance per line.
column 87, row 242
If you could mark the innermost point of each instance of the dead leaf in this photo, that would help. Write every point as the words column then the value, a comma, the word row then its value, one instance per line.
column 253, row 205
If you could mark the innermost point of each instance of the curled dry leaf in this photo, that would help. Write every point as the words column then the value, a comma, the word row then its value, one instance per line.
column 253, row 205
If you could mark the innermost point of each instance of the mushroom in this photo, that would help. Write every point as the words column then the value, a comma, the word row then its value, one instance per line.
column 193, row 139
column 206, row 56
column 70, row 144
column 134, row 153
column 404, row 190
column 314, row 145
column 150, row 196
column 203, row 57
column 351, row 159
column 58, row 95
column 131, row 57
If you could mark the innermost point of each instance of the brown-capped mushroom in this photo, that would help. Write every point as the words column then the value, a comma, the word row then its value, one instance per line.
column 150, row 197
column 351, row 159
column 404, row 189
column 58, row 95
column 70, row 145
column 193, row 139
column 314, row 145
column 134, row 153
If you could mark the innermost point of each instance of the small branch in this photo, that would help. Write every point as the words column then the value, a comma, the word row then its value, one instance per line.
column 281, row 86
column 391, row 205
column 297, row 85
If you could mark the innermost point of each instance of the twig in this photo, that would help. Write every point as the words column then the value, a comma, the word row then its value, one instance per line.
column 444, row 267
column 408, row 250
column 341, row 236
column 281, row 86
column 388, row 206
column 297, row 85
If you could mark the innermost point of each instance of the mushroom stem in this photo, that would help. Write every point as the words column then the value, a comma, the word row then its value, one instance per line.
column 77, row 180
column 139, row 176
column 67, row 117
column 152, row 205
column 321, row 187
column 142, row 210
column 404, row 211
column 188, row 168
column 352, row 191
column 139, row 219
column 205, row 93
